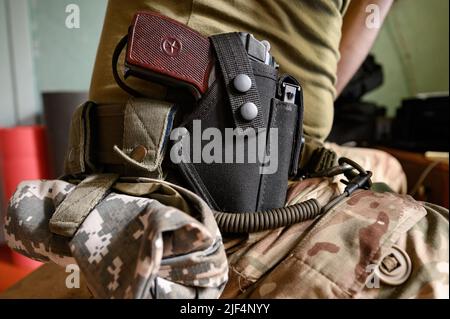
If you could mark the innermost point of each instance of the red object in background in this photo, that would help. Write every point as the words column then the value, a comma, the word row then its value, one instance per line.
column 10, row 274
column 23, row 156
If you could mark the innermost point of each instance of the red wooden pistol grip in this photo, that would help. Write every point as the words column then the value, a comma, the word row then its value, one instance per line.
column 166, row 51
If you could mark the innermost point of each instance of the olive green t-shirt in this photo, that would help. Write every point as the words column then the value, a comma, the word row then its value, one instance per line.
column 304, row 37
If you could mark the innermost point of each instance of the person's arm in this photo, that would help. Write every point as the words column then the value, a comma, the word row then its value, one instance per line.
column 357, row 39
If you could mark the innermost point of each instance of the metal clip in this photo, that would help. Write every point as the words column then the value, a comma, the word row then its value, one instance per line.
column 290, row 93
column 361, row 179
column 356, row 180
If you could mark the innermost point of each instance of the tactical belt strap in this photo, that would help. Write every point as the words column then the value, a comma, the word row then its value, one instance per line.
column 71, row 213
column 233, row 61
column 146, row 129
column 129, row 140
column 321, row 160
column 132, row 140
column 78, row 158
column 109, row 133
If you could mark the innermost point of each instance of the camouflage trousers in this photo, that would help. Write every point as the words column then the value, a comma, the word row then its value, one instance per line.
column 384, row 167
column 339, row 254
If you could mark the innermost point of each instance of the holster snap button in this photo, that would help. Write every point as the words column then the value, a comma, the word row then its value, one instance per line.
column 249, row 111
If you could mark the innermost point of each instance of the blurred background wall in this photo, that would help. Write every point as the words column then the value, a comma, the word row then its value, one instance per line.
column 56, row 58
column 63, row 57
column 413, row 49
column 40, row 55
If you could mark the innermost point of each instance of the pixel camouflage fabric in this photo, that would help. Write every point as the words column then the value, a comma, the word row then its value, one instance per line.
column 128, row 246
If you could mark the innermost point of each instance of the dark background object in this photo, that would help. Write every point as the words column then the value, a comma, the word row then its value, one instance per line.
column 422, row 124
column 356, row 120
column 359, row 122
column 368, row 77
column 58, row 109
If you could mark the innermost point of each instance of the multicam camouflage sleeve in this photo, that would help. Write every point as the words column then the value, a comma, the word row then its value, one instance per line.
column 373, row 245
column 128, row 246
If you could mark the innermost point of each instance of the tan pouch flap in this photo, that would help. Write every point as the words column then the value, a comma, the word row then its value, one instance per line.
column 147, row 126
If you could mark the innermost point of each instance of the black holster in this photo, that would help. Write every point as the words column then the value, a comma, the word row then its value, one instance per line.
column 136, row 139
column 246, row 185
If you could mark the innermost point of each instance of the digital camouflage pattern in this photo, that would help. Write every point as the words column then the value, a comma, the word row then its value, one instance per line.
column 128, row 246
column 26, row 222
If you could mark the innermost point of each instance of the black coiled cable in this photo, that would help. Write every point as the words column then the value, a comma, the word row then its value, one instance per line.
column 268, row 219
column 310, row 209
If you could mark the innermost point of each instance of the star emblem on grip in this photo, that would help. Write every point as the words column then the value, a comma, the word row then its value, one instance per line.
column 171, row 46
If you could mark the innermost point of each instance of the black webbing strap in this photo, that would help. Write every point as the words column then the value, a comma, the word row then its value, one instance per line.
column 321, row 160
column 233, row 60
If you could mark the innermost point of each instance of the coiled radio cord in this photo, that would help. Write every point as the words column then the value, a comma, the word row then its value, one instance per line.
column 250, row 222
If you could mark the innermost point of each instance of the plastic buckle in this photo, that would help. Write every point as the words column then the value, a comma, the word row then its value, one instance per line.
column 395, row 267
column 360, row 180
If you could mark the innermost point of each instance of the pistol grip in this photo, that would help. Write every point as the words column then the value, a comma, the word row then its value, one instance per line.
column 166, row 51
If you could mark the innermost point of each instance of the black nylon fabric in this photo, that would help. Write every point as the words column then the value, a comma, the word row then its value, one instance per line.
column 273, row 187
column 233, row 60
column 230, row 186
column 239, row 187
